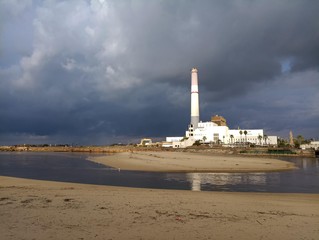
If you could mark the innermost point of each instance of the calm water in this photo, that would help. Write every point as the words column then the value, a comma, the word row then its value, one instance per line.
column 73, row 167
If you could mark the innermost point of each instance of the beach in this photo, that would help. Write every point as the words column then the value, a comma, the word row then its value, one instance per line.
column 191, row 162
column 33, row 209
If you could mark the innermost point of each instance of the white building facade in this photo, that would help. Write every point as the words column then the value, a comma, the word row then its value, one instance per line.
column 253, row 136
column 209, row 132
column 311, row 145
column 216, row 131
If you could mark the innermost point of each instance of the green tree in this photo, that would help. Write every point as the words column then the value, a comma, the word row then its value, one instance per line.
column 204, row 139
column 299, row 140
column 282, row 142
column 265, row 139
column 241, row 133
column 259, row 138
column 232, row 138
column 245, row 132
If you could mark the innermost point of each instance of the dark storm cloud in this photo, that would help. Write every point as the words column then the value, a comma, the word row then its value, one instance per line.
column 99, row 71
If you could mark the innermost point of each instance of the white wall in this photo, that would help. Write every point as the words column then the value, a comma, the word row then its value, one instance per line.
column 173, row 139
column 252, row 136
column 212, row 132
column 272, row 140
column 313, row 144
column 207, row 130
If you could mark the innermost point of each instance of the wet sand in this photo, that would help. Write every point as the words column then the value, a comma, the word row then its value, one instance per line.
column 33, row 209
column 191, row 162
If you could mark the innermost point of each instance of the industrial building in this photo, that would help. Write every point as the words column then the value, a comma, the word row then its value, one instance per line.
column 312, row 145
column 215, row 131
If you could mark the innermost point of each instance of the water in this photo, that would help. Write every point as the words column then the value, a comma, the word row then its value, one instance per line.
column 73, row 167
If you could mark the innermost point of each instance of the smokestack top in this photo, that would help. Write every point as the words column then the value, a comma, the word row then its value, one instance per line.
column 194, row 70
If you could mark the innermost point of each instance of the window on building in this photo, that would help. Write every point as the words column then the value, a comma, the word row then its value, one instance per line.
column 216, row 137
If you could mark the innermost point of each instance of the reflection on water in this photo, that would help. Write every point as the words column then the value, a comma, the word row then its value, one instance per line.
column 306, row 177
column 306, row 163
column 223, row 179
column 75, row 168
column 196, row 180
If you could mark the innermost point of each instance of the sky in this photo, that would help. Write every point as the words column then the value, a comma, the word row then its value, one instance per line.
column 97, row 72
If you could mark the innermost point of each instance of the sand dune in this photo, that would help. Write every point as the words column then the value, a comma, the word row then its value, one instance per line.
column 191, row 162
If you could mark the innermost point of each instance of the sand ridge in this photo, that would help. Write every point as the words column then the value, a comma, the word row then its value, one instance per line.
column 191, row 162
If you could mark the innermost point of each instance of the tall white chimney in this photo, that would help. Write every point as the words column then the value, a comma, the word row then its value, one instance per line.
column 194, row 99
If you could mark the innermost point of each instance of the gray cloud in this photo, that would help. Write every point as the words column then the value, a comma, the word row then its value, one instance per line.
column 98, row 71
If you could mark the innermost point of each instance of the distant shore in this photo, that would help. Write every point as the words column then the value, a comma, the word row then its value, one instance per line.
column 242, row 151
column 191, row 162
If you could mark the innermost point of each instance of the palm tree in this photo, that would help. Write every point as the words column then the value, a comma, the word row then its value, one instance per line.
column 265, row 139
column 241, row 133
column 259, row 138
column 204, row 139
column 231, row 138
column 245, row 132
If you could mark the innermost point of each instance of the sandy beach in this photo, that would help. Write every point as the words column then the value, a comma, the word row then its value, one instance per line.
column 191, row 162
column 32, row 209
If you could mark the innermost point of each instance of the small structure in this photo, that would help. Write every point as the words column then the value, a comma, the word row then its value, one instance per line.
column 145, row 142
column 312, row 145
column 167, row 144
column 219, row 120
column 174, row 139
column 186, row 142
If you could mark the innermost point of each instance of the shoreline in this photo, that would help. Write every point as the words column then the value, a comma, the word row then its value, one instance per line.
column 44, row 209
column 191, row 162
column 237, row 151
